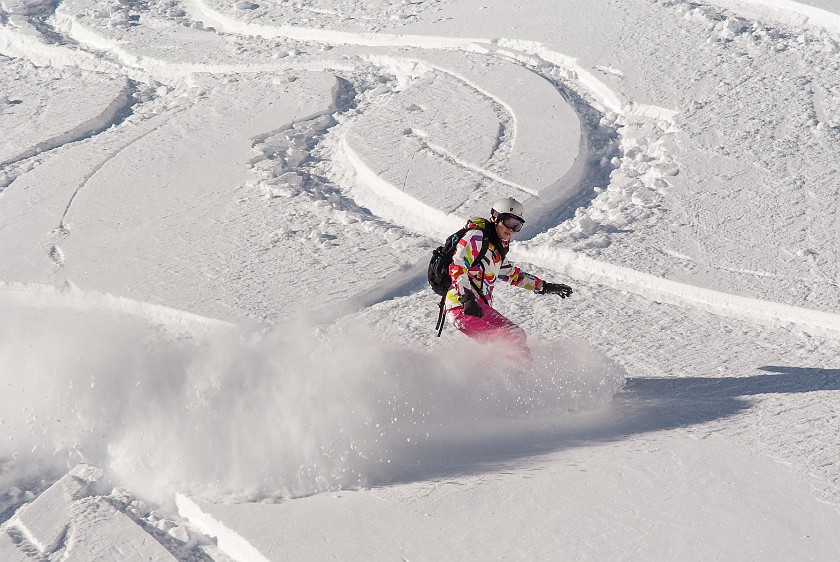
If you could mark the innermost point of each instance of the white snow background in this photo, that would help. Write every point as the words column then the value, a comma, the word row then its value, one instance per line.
column 216, row 341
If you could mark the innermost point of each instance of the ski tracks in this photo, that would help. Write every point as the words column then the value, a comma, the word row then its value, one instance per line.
column 639, row 159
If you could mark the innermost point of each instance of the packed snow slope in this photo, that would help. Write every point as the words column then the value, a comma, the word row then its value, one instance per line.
column 216, row 342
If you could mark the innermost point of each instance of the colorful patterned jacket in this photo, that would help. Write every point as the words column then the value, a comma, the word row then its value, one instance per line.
column 467, row 275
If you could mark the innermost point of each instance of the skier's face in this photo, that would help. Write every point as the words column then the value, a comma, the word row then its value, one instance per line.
column 504, row 232
column 507, row 225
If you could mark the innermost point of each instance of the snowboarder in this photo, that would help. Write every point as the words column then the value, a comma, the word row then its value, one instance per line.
column 469, row 301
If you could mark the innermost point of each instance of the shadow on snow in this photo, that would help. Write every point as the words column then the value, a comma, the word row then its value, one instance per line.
column 645, row 405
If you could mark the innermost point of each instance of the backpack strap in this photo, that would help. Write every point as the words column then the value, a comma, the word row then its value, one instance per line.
column 441, row 316
column 480, row 259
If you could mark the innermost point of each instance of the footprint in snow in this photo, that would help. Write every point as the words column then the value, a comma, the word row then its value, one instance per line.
column 56, row 255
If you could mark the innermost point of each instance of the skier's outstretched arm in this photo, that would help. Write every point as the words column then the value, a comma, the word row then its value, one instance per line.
column 518, row 278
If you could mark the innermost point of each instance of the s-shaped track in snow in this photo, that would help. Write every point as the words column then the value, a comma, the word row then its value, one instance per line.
column 410, row 210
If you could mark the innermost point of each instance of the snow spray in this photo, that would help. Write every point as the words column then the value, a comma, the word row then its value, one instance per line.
column 285, row 412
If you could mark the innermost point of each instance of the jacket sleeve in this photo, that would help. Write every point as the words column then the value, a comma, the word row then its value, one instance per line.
column 464, row 266
column 510, row 273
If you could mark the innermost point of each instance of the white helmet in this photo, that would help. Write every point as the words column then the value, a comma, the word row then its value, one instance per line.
column 507, row 206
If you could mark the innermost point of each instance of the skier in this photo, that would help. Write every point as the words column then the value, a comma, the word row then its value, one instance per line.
column 469, row 301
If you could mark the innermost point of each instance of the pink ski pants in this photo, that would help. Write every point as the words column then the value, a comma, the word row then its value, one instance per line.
column 492, row 326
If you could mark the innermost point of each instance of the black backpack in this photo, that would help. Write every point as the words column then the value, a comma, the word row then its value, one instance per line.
column 438, row 275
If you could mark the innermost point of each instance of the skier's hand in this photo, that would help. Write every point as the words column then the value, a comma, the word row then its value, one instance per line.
column 471, row 307
column 556, row 289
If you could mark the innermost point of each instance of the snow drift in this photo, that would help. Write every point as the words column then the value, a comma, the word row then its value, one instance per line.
column 243, row 414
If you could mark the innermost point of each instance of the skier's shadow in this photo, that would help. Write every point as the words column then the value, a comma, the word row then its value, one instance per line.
column 653, row 404
column 644, row 405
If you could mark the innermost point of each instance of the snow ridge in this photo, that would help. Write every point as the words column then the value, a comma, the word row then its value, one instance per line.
column 388, row 201
column 25, row 42
column 177, row 322
column 811, row 15
column 816, row 322
column 107, row 118
column 231, row 542
column 603, row 93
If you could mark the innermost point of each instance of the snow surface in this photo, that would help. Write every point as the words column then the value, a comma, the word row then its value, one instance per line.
column 216, row 342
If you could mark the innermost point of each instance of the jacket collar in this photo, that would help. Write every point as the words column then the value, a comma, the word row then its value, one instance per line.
column 489, row 230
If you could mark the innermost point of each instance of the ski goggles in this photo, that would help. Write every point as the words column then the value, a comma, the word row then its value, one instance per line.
column 512, row 222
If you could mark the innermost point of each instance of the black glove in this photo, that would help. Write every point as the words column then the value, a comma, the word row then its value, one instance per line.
column 471, row 307
column 556, row 289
